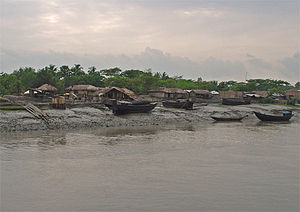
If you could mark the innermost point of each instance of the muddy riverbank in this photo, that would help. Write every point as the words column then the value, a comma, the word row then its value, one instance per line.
column 91, row 117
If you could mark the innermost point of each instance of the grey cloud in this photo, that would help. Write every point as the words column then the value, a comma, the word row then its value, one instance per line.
column 259, row 63
column 291, row 67
column 209, row 69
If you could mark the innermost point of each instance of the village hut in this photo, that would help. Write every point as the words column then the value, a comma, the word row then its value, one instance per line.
column 262, row 94
column 168, row 93
column 43, row 90
column 295, row 92
column 47, row 88
column 231, row 94
column 257, row 96
column 200, row 94
column 116, row 93
column 83, row 92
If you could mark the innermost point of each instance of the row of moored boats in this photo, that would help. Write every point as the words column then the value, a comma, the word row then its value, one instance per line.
column 124, row 107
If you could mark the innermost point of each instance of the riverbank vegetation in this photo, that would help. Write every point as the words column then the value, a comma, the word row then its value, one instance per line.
column 136, row 80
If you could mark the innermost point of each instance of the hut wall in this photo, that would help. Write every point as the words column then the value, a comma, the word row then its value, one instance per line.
column 293, row 93
column 115, row 94
column 231, row 94
column 157, row 94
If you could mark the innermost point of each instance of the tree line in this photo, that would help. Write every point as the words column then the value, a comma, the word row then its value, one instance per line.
column 136, row 80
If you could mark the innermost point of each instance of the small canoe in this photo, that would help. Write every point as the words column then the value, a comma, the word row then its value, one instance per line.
column 119, row 109
column 227, row 116
column 282, row 116
column 236, row 101
column 188, row 105
column 224, row 118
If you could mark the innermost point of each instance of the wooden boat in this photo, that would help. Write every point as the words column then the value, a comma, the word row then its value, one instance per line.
column 232, row 118
column 124, row 108
column 236, row 101
column 227, row 117
column 281, row 116
column 185, row 104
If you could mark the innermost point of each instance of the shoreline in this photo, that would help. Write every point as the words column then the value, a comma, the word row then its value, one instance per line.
column 88, row 117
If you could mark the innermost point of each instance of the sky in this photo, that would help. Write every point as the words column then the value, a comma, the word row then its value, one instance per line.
column 216, row 40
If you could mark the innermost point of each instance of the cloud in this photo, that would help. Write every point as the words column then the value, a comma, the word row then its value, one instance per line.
column 290, row 67
column 259, row 63
column 193, row 29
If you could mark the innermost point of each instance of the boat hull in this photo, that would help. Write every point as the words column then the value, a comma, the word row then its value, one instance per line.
column 120, row 109
column 184, row 105
column 227, row 118
column 265, row 117
column 233, row 101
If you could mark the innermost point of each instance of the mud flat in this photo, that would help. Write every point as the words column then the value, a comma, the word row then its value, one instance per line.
column 91, row 117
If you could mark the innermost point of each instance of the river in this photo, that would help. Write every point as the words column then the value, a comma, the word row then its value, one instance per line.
column 238, row 166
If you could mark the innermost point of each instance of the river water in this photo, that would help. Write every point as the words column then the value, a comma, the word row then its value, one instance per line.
column 241, row 166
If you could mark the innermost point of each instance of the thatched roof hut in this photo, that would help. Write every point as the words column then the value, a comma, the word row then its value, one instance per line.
column 47, row 87
column 82, row 88
column 167, row 90
column 198, row 93
column 263, row 94
column 117, row 93
column 231, row 94
column 168, row 93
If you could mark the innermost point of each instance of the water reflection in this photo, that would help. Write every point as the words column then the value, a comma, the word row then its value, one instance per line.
column 43, row 139
column 119, row 131
column 272, row 123
column 50, row 140
column 224, row 166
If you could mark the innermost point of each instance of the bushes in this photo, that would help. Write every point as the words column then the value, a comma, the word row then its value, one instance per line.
column 269, row 100
column 291, row 101
column 12, row 108
column 3, row 99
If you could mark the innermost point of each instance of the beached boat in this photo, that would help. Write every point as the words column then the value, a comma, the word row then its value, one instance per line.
column 236, row 101
column 279, row 116
column 184, row 104
column 128, row 107
column 225, row 116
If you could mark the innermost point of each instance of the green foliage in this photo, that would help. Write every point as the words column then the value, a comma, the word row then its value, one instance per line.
column 132, row 73
column 136, row 80
column 207, row 85
column 226, row 85
column 297, row 85
column 12, row 108
column 9, row 84
column 291, row 101
column 27, row 77
column 277, row 90
column 266, row 84
column 111, row 72
column 99, row 107
column 268, row 100
column 3, row 99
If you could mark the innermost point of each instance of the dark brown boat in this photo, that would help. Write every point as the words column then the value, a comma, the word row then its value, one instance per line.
column 280, row 116
column 236, row 101
column 128, row 107
column 184, row 104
